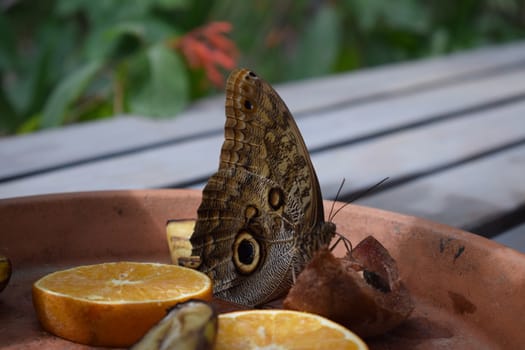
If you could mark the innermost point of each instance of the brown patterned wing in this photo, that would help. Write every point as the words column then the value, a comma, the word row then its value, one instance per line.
column 262, row 137
column 261, row 215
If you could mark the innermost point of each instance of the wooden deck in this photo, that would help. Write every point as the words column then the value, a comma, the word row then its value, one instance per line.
column 449, row 132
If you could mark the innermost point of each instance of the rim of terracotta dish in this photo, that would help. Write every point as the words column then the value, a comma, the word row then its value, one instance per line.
column 463, row 275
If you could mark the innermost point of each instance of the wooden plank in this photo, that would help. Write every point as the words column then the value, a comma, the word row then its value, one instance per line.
column 345, row 124
column 147, row 169
column 420, row 150
column 514, row 238
column 81, row 143
column 397, row 155
column 87, row 141
column 464, row 196
column 378, row 82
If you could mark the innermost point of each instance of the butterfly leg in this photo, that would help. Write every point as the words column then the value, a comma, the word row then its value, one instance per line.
column 346, row 242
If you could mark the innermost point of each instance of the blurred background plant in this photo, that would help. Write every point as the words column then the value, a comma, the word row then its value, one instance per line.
column 66, row 61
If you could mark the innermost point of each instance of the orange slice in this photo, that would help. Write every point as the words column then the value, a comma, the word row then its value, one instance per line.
column 113, row 304
column 282, row 329
column 178, row 233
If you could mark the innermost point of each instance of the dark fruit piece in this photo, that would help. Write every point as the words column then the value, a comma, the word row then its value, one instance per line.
column 361, row 291
column 191, row 325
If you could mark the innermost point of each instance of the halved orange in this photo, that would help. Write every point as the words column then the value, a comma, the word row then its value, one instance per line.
column 178, row 233
column 283, row 329
column 113, row 304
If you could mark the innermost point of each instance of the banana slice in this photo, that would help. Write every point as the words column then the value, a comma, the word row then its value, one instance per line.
column 191, row 325
column 178, row 233
column 5, row 272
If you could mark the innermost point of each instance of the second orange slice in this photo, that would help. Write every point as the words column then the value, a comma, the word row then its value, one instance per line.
column 283, row 329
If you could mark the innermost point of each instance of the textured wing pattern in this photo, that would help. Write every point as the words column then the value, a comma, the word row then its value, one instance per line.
column 261, row 216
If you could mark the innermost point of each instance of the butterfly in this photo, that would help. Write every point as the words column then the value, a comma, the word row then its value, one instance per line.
column 261, row 217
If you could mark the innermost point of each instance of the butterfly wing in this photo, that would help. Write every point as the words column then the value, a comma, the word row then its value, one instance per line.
column 262, row 137
column 261, row 212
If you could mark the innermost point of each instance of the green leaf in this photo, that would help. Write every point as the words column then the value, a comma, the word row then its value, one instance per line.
column 28, row 91
column 401, row 14
column 7, row 45
column 69, row 7
column 103, row 12
column 126, row 37
column 166, row 89
column 318, row 48
column 173, row 4
column 107, row 12
column 102, row 42
column 66, row 92
column 29, row 125
column 8, row 116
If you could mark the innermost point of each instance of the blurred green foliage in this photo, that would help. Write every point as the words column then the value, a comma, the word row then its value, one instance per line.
column 293, row 39
column 64, row 61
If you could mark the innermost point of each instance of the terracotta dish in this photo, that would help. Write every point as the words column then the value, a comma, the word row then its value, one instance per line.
column 469, row 291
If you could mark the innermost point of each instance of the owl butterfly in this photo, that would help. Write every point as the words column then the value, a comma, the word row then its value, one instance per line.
column 261, row 217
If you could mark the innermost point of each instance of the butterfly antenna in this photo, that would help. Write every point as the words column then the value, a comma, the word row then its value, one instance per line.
column 330, row 216
column 361, row 194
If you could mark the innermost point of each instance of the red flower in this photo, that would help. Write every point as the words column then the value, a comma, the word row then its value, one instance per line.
column 208, row 47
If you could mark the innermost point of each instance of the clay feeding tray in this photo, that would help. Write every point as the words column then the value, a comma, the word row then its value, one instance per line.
column 469, row 291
